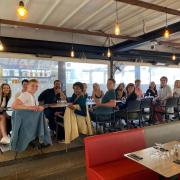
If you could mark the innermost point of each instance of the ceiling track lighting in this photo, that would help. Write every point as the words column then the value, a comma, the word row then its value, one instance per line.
column 22, row 11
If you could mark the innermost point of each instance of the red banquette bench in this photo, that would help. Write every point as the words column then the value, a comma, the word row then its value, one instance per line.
column 105, row 159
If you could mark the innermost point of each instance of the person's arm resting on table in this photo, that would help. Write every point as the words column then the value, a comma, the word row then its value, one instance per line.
column 111, row 103
column 19, row 103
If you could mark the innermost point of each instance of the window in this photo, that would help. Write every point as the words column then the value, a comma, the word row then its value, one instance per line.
column 13, row 71
column 125, row 74
column 86, row 73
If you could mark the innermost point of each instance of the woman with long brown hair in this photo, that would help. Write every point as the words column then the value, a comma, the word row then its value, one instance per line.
column 5, row 95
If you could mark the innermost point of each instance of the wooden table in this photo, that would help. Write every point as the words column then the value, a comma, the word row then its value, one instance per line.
column 158, row 161
column 65, row 104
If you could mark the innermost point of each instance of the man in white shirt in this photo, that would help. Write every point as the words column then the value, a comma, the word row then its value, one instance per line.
column 24, row 88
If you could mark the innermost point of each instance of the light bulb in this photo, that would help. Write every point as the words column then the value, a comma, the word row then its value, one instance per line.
column 117, row 30
column 22, row 11
column 109, row 53
column 166, row 33
column 173, row 57
column 72, row 53
column 1, row 46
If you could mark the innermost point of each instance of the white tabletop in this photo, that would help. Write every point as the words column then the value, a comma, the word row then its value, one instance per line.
column 158, row 161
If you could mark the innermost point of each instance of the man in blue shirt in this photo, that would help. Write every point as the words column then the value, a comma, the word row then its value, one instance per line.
column 51, row 96
column 109, row 99
column 104, row 108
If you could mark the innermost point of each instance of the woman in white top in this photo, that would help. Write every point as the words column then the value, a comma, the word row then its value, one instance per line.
column 26, row 100
column 5, row 95
column 176, row 92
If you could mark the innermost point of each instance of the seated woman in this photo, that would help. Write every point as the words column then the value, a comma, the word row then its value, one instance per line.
column 120, row 93
column 176, row 91
column 131, row 95
column 76, row 99
column 97, row 92
column 85, row 90
column 152, row 90
column 26, row 100
column 5, row 95
column 138, row 89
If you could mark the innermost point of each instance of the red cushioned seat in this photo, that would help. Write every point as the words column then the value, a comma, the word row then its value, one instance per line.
column 124, row 169
column 105, row 156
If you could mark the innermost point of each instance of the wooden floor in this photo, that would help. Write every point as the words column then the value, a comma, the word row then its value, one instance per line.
column 55, row 165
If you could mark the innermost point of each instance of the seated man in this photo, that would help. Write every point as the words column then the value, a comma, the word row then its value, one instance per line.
column 109, row 99
column 24, row 88
column 51, row 96
column 164, row 93
column 107, row 104
column 76, row 99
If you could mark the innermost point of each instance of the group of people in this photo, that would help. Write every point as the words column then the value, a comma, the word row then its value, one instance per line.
column 25, row 99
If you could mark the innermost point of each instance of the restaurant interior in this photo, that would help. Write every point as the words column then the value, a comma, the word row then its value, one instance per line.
column 90, row 89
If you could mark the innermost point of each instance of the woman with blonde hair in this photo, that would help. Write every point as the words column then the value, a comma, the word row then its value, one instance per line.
column 176, row 91
column 97, row 92
column 5, row 95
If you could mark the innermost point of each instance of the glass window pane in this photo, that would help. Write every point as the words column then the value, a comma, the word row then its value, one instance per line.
column 125, row 74
column 13, row 71
column 87, row 73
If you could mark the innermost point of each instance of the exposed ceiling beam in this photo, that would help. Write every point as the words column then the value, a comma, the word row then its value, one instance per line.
column 18, row 45
column 109, row 3
column 128, row 45
column 169, row 43
column 151, row 6
column 85, row 2
column 142, row 14
column 49, row 12
column 61, row 29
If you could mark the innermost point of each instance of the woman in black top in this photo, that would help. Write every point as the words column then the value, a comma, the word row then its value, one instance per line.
column 79, row 99
column 120, row 93
column 131, row 95
column 152, row 90
column 5, row 125
column 97, row 92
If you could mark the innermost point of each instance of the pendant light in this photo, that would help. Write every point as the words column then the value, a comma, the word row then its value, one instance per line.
column 166, row 31
column 1, row 44
column 109, row 54
column 22, row 11
column 173, row 57
column 117, row 30
column 72, row 54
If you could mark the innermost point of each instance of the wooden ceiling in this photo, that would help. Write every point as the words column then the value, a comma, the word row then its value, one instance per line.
column 87, row 15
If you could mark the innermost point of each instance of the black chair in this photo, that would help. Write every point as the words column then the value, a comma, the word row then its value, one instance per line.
column 171, row 102
column 132, row 110
column 177, row 109
column 104, row 117
column 146, row 103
